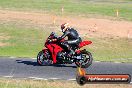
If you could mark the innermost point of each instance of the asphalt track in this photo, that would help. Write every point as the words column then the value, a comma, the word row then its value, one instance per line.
column 28, row 68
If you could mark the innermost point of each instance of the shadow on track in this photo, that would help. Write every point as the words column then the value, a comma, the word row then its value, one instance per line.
column 28, row 62
column 36, row 64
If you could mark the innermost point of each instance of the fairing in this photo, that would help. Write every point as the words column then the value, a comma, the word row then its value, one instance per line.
column 84, row 43
column 54, row 49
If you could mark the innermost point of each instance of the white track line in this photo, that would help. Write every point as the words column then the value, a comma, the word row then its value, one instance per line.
column 37, row 78
column 108, row 61
column 13, row 57
column 45, row 79
column 71, row 79
column 117, row 62
column 97, row 61
column 53, row 78
column 32, row 77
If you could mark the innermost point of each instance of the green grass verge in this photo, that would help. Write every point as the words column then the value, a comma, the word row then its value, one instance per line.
column 107, row 49
column 23, row 42
column 27, row 42
column 74, row 7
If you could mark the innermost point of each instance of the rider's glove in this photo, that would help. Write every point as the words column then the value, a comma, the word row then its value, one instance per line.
column 52, row 40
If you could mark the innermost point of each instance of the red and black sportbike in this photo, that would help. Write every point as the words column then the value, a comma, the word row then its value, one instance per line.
column 54, row 53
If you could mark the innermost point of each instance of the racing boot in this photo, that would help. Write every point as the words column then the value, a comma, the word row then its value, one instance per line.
column 71, row 53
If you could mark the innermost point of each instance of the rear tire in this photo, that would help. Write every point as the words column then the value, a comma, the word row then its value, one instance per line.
column 87, row 59
column 43, row 58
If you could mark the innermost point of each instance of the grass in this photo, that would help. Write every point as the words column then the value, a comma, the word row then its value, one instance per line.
column 19, row 83
column 28, row 41
column 107, row 49
column 23, row 42
column 74, row 7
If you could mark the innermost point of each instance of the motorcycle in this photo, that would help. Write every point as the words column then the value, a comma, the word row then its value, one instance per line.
column 55, row 53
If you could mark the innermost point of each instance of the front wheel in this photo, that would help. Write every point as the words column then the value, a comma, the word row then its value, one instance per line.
column 86, row 59
column 43, row 58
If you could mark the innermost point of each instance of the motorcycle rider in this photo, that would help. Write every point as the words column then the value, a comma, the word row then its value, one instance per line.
column 73, row 38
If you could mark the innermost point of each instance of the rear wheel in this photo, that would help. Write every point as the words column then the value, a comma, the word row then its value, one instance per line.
column 86, row 59
column 43, row 58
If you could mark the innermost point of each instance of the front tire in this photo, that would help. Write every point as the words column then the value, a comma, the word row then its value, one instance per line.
column 87, row 59
column 43, row 58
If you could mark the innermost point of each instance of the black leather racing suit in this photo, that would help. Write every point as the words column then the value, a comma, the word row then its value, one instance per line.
column 73, row 39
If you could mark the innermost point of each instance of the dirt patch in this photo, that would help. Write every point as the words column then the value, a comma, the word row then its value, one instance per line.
column 4, row 37
column 85, row 26
column 3, row 44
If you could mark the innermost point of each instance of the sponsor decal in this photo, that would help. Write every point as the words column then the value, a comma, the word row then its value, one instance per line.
column 83, row 78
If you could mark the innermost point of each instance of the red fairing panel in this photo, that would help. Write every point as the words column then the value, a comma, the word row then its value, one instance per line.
column 54, row 49
column 84, row 43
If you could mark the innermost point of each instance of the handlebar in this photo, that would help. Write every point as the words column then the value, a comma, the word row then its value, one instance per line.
column 52, row 36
